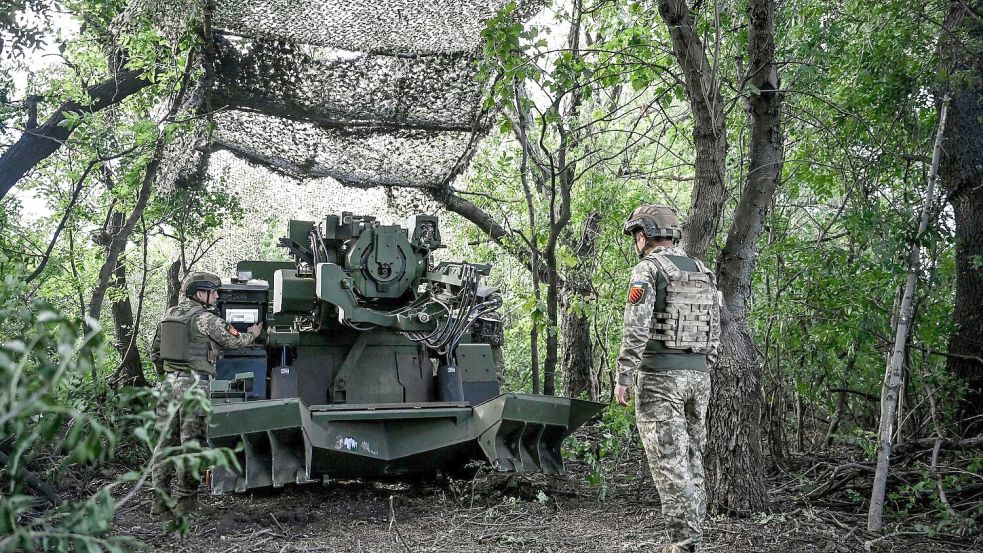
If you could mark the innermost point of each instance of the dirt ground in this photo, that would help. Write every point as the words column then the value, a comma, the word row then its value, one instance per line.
column 497, row 512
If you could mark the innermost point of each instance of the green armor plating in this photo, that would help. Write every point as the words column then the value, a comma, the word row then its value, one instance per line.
column 687, row 322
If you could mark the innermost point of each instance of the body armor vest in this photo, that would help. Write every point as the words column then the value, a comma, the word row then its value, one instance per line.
column 181, row 347
column 689, row 313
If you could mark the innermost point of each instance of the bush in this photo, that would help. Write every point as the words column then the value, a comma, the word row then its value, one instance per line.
column 48, row 367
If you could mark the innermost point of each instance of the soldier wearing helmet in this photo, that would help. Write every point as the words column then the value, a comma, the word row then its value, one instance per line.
column 184, row 351
column 670, row 337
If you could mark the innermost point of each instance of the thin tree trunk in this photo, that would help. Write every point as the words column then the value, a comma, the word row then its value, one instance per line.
column 841, row 405
column 534, row 267
column 891, row 387
column 576, row 344
column 800, row 414
column 173, row 282
column 776, row 426
column 961, row 173
column 834, row 422
column 130, row 370
column 560, row 201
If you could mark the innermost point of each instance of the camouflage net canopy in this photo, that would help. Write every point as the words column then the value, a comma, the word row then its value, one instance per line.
column 366, row 93
column 308, row 99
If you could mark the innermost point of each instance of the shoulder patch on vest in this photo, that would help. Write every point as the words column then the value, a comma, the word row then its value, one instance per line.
column 232, row 330
column 637, row 292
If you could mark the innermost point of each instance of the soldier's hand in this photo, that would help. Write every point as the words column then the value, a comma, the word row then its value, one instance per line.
column 255, row 329
column 622, row 394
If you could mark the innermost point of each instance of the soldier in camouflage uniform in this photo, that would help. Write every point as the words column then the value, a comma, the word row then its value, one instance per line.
column 671, row 336
column 184, row 351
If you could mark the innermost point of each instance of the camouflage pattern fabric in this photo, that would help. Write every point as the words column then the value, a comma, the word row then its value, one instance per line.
column 221, row 333
column 638, row 315
column 639, row 312
column 186, row 426
column 183, row 427
column 670, row 410
column 208, row 326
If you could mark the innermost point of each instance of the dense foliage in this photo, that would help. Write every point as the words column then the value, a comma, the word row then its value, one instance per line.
column 590, row 119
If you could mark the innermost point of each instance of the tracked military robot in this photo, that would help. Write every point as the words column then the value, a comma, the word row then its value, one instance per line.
column 376, row 361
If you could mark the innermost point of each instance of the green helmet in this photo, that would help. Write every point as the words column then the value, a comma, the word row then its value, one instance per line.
column 656, row 221
column 199, row 280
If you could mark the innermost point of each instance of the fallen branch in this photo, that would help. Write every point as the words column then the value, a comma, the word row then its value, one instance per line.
column 926, row 443
column 851, row 471
column 394, row 526
column 35, row 483
column 953, row 515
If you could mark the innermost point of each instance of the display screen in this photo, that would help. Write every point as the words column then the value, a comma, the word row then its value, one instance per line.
column 248, row 316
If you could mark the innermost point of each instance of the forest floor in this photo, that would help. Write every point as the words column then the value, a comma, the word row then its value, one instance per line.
column 498, row 512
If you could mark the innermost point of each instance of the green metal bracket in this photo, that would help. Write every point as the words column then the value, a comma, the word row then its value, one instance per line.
column 340, row 384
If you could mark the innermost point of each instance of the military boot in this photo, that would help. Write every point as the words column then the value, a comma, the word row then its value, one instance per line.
column 188, row 505
column 158, row 507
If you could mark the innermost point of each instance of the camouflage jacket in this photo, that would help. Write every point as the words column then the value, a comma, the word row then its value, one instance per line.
column 645, row 285
column 220, row 335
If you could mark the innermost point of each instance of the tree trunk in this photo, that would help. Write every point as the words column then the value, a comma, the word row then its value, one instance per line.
column 841, row 405
column 735, row 482
column 736, row 399
column 961, row 173
column 735, row 479
column 552, row 339
column 578, row 353
column 174, row 283
column 834, row 421
column 130, row 370
column 559, row 212
column 709, row 136
column 34, row 145
column 576, row 344
column 891, row 388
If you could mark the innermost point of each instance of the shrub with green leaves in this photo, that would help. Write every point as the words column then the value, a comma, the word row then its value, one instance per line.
column 43, row 353
column 51, row 410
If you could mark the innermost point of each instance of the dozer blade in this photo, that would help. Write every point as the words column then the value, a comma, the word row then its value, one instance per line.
column 285, row 441
column 523, row 433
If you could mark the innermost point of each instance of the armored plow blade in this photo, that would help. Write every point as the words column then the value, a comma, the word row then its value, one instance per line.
column 285, row 441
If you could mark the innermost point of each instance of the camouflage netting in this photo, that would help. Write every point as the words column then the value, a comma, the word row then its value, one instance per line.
column 386, row 26
column 356, row 156
column 271, row 200
column 337, row 88
column 370, row 93
column 328, row 93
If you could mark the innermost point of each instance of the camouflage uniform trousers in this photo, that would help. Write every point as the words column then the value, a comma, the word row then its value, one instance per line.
column 184, row 427
column 670, row 410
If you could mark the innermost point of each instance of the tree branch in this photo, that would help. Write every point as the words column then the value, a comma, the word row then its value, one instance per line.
column 35, row 145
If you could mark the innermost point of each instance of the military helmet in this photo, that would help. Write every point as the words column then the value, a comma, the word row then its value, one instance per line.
column 656, row 221
column 199, row 280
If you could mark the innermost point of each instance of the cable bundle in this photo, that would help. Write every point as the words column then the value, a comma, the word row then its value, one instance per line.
column 447, row 335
